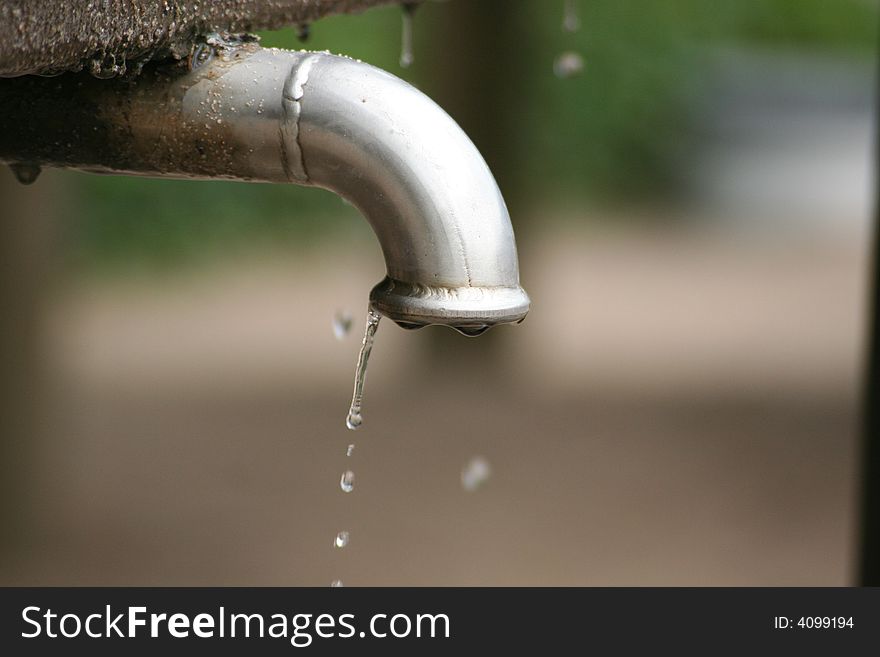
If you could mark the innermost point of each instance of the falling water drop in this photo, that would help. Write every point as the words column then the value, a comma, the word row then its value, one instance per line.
column 568, row 65
column 336, row 584
column 303, row 32
column 350, row 450
column 346, row 483
column 24, row 172
column 406, row 37
column 341, row 539
column 571, row 22
column 475, row 473
column 354, row 419
column 342, row 324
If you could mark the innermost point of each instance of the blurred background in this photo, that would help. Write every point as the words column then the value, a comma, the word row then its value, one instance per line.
column 691, row 187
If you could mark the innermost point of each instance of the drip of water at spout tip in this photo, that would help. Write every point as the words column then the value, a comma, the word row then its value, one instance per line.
column 473, row 330
column 571, row 22
column 354, row 419
column 336, row 584
column 341, row 539
column 406, row 38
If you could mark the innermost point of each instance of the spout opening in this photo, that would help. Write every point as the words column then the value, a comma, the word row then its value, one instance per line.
column 469, row 310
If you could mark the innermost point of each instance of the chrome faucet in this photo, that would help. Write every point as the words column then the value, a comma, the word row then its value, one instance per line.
column 248, row 113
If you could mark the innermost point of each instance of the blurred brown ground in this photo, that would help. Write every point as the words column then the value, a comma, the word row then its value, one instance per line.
column 680, row 408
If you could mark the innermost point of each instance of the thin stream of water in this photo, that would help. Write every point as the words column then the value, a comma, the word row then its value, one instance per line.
column 354, row 419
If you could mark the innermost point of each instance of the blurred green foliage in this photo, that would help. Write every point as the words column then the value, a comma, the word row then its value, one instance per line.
column 617, row 130
column 139, row 223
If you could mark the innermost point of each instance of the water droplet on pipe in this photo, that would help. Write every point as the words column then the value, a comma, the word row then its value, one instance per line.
column 25, row 173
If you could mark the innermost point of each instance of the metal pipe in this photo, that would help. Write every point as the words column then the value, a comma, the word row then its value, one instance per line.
column 247, row 113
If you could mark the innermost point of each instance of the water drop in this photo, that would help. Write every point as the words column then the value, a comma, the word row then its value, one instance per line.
column 354, row 419
column 342, row 321
column 472, row 330
column 568, row 65
column 406, row 37
column 346, row 483
column 303, row 32
column 475, row 473
column 341, row 539
column 571, row 22
column 336, row 584
column 106, row 67
column 200, row 55
column 350, row 450
column 24, row 172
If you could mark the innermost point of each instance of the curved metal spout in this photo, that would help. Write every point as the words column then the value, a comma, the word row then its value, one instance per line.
column 306, row 118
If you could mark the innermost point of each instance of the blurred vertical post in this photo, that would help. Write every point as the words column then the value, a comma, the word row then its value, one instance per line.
column 26, row 247
column 469, row 59
column 870, row 539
